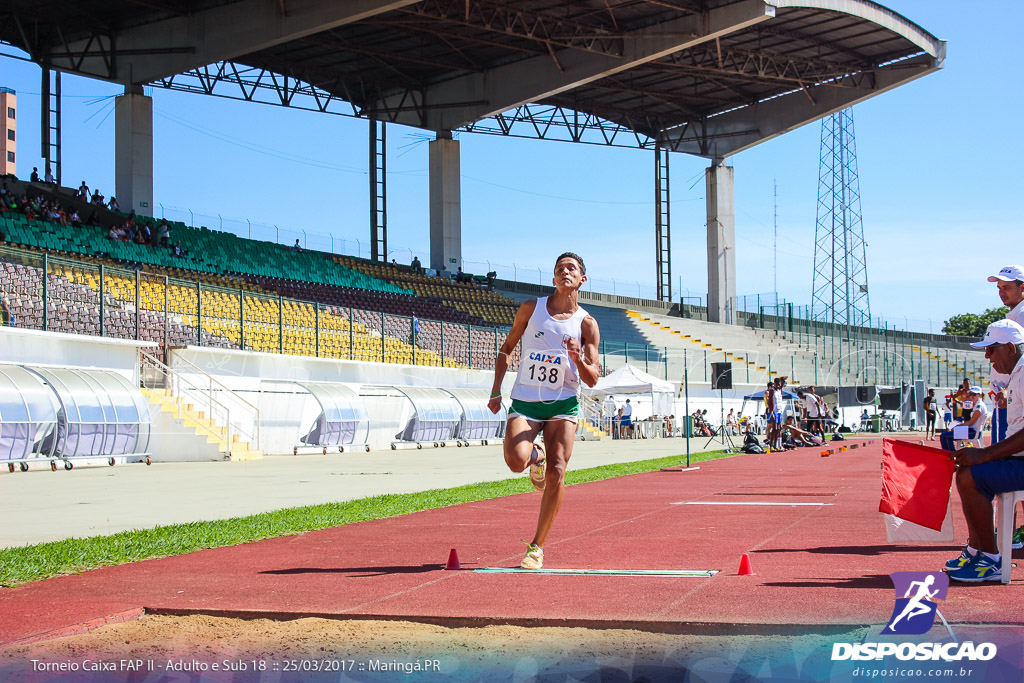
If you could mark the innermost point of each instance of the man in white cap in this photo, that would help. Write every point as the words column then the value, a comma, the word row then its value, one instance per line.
column 984, row 472
column 1010, row 283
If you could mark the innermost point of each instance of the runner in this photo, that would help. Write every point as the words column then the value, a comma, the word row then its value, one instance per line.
column 560, row 342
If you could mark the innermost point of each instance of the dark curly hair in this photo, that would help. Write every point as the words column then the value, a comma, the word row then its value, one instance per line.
column 571, row 255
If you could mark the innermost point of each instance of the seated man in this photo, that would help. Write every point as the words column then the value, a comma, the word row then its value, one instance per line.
column 984, row 472
column 792, row 433
column 975, row 423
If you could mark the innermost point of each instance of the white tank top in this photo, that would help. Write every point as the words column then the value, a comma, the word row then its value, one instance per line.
column 546, row 373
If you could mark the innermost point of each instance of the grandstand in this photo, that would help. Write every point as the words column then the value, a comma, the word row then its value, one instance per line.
column 235, row 293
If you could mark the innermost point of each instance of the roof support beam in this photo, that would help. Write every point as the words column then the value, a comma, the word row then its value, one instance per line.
column 533, row 79
column 217, row 34
column 717, row 137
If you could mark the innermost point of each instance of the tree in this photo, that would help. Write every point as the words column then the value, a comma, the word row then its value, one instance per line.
column 972, row 324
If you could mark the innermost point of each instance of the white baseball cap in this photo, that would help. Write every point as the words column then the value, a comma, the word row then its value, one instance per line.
column 1001, row 332
column 1007, row 274
column 975, row 390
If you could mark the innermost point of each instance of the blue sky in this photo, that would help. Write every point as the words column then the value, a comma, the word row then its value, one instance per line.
column 939, row 163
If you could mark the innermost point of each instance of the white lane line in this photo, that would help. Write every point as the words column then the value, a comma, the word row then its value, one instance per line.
column 701, row 502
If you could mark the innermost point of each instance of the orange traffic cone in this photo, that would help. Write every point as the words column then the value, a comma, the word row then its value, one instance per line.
column 453, row 560
column 745, row 568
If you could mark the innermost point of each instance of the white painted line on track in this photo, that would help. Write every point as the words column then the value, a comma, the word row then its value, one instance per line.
column 701, row 502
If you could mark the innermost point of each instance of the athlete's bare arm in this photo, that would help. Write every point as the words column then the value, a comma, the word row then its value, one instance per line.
column 522, row 319
column 585, row 358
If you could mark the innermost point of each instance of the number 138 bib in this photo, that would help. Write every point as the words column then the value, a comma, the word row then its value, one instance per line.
column 544, row 369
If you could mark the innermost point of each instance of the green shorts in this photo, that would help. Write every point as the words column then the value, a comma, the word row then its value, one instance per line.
column 539, row 411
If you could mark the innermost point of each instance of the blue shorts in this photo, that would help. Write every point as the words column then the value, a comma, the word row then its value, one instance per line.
column 775, row 417
column 626, row 421
column 999, row 476
column 998, row 424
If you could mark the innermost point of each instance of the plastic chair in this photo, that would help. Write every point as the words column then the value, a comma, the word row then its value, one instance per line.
column 1007, row 504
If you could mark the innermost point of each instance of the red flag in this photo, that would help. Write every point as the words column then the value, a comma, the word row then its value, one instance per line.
column 915, row 482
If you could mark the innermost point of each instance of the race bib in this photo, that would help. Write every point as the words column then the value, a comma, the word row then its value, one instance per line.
column 544, row 369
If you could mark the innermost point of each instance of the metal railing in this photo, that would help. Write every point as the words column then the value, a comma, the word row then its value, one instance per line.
column 109, row 301
column 186, row 392
column 242, row 406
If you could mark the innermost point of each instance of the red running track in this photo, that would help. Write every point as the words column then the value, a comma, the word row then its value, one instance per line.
column 815, row 566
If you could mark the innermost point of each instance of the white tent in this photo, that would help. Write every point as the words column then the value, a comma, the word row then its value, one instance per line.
column 630, row 380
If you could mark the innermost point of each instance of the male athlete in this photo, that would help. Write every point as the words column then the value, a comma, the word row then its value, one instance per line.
column 560, row 342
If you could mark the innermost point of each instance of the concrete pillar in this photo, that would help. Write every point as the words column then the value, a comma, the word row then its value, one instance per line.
column 445, row 203
column 133, row 156
column 721, row 241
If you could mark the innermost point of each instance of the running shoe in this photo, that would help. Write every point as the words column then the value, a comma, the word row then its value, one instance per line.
column 537, row 470
column 1018, row 538
column 979, row 568
column 534, row 557
column 958, row 562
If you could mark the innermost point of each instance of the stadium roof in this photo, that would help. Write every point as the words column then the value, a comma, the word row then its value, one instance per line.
column 705, row 77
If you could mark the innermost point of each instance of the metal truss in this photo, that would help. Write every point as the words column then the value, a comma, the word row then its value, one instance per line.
column 713, row 61
column 545, row 28
column 840, row 285
column 544, row 122
column 54, row 45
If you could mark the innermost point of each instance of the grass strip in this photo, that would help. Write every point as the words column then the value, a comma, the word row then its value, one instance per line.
column 73, row 555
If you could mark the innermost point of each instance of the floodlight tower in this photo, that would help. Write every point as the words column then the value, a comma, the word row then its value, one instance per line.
column 840, row 285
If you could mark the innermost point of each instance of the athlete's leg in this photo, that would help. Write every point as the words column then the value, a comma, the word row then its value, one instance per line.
column 520, row 434
column 559, row 436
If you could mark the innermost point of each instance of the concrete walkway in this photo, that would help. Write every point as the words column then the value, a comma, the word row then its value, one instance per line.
column 40, row 505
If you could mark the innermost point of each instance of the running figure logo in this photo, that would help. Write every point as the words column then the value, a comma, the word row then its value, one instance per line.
column 915, row 611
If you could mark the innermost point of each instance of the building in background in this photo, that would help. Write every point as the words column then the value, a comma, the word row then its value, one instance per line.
column 9, row 127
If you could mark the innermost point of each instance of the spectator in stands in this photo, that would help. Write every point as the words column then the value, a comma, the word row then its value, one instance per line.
column 49, row 176
column 7, row 316
column 417, row 267
column 177, row 251
column 34, row 177
column 165, row 233
column 442, row 272
column 460, row 276
column 296, row 246
column 83, row 191
column 76, row 220
column 113, row 205
column 490, row 279
column 97, row 198
column 143, row 235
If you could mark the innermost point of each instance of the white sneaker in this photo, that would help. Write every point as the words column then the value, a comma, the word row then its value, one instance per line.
column 534, row 558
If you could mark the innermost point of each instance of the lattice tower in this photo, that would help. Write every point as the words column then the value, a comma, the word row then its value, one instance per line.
column 840, row 284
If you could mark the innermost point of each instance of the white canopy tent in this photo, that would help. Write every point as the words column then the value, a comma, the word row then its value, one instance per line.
column 631, row 380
